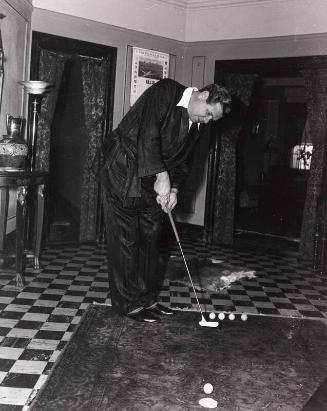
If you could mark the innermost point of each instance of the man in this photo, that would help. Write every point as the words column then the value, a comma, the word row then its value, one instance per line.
column 146, row 161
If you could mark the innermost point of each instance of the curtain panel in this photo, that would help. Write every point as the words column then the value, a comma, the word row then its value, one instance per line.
column 316, row 92
column 241, row 88
column 51, row 68
column 95, row 82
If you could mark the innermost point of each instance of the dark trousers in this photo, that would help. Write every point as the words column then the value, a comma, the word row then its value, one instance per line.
column 133, row 232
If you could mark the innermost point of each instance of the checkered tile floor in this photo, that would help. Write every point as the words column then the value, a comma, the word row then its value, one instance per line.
column 37, row 322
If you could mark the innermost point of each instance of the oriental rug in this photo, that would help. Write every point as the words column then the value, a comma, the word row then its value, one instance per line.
column 115, row 363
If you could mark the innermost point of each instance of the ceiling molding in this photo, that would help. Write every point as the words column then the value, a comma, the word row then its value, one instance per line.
column 22, row 7
column 182, row 4
column 209, row 4
column 200, row 4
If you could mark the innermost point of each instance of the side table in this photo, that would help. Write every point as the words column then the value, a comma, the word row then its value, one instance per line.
column 28, row 212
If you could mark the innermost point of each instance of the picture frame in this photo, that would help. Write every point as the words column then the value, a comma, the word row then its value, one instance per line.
column 148, row 67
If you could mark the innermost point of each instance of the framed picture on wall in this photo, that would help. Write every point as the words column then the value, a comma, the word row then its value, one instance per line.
column 148, row 67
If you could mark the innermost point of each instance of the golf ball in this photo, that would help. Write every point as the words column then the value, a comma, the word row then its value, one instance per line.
column 221, row 316
column 212, row 316
column 208, row 388
column 231, row 316
column 244, row 317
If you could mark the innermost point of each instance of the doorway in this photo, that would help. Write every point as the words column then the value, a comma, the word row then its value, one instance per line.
column 68, row 144
column 270, row 182
column 73, row 121
column 230, row 147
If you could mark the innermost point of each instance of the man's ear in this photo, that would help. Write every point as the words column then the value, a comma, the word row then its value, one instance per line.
column 204, row 95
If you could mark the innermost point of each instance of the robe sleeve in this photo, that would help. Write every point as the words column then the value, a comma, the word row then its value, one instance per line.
column 156, row 105
column 179, row 174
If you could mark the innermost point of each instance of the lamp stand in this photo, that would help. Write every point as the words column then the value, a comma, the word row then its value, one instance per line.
column 36, row 90
column 34, row 110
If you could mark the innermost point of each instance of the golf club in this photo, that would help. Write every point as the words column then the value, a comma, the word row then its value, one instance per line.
column 203, row 322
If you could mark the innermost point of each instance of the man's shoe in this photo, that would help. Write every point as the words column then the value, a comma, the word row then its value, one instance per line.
column 160, row 309
column 145, row 316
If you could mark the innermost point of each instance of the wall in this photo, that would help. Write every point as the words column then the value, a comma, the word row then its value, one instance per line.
column 253, row 48
column 208, row 52
column 15, row 31
column 95, row 32
column 195, row 62
column 213, row 30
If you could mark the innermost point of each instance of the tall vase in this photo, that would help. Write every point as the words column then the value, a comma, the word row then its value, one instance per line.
column 13, row 149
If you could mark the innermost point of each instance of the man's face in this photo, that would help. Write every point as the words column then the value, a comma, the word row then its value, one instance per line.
column 201, row 112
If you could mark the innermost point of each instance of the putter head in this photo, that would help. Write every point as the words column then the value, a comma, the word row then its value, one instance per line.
column 205, row 323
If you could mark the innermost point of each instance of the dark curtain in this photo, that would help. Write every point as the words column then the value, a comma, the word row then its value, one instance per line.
column 316, row 92
column 51, row 67
column 95, row 83
column 241, row 88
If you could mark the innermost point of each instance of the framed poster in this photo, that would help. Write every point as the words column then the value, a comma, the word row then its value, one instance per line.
column 148, row 67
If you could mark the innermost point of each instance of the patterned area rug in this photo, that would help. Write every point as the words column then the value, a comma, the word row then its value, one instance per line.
column 114, row 363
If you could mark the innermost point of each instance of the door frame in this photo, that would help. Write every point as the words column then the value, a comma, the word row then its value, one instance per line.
column 268, row 66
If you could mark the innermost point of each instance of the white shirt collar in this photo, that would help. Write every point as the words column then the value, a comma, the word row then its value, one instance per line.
column 186, row 97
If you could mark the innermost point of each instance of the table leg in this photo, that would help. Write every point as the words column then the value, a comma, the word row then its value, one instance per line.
column 4, row 200
column 39, row 213
column 20, row 234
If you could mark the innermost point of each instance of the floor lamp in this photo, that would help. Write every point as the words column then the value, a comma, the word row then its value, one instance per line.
column 36, row 91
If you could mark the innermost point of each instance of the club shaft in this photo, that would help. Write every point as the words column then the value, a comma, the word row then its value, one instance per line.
column 181, row 249
column 172, row 222
column 189, row 274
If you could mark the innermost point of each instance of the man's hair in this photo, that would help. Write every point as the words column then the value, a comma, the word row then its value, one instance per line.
column 218, row 94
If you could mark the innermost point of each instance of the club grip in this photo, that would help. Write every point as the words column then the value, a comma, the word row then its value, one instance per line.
column 173, row 225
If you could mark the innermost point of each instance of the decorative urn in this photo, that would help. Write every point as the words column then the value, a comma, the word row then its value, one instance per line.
column 13, row 149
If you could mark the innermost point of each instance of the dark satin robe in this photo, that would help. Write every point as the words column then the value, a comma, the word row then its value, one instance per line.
column 152, row 137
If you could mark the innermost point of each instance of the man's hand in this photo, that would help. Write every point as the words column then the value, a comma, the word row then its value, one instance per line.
column 162, row 184
column 172, row 201
column 162, row 188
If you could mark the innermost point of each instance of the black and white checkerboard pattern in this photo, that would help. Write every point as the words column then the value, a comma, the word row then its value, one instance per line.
column 37, row 322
